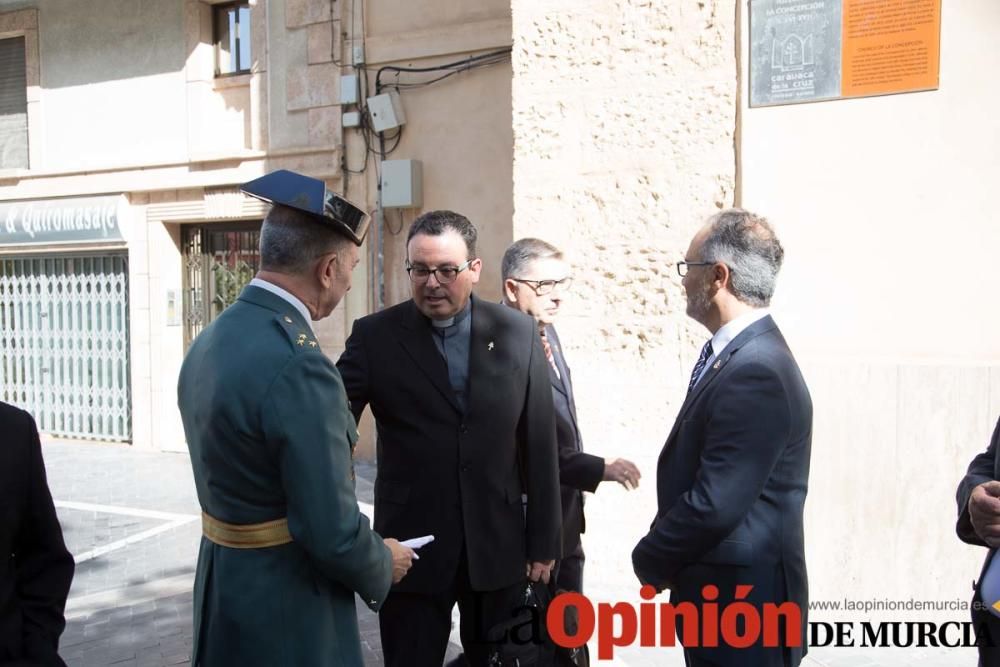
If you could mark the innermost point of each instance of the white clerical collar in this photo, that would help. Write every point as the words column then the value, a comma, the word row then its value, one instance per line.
column 454, row 319
column 725, row 335
column 287, row 296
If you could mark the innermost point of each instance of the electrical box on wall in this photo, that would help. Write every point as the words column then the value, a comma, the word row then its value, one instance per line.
column 351, row 119
column 386, row 111
column 402, row 184
column 349, row 89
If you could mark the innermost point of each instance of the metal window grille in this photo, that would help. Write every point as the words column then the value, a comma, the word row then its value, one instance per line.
column 64, row 343
column 219, row 261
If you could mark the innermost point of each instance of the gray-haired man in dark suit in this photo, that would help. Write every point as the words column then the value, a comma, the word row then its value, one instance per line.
column 535, row 279
column 731, row 479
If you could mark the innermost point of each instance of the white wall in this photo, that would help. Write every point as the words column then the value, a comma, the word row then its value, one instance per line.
column 888, row 297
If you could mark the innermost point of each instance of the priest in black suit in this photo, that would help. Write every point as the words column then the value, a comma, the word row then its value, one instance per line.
column 460, row 392
column 35, row 568
column 535, row 279
column 732, row 477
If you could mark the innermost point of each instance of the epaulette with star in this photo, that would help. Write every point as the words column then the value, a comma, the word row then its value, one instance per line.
column 301, row 340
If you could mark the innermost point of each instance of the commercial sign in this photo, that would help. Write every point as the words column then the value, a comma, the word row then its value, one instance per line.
column 810, row 50
column 75, row 220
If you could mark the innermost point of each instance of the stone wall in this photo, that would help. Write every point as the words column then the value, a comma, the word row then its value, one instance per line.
column 624, row 126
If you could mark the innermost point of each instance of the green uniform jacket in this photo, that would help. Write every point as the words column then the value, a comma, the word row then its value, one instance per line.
column 270, row 435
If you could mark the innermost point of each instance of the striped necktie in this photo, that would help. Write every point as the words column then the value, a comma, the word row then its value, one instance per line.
column 706, row 352
column 548, row 352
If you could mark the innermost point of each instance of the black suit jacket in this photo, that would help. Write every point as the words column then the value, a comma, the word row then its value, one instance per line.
column 985, row 467
column 459, row 476
column 731, row 486
column 578, row 471
column 36, row 569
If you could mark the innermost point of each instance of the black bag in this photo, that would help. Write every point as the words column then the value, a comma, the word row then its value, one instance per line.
column 522, row 641
column 571, row 657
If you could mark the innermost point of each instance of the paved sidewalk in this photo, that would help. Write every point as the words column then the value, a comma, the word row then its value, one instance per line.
column 131, row 519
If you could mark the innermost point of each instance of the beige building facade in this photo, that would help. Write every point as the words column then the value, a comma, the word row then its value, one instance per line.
column 147, row 104
column 154, row 112
column 612, row 128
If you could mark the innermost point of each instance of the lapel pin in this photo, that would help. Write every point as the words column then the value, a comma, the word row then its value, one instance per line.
column 288, row 319
column 715, row 366
column 312, row 343
column 490, row 346
column 302, row 341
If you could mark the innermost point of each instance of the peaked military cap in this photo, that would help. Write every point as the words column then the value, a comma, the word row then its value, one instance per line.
column 310, row 196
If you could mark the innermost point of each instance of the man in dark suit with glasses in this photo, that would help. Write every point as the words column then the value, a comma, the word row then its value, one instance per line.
column 460, row 392
column 732, row 477
column 535, row 279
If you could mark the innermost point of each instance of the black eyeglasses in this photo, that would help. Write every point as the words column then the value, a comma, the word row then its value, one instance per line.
column 682, row 266
column 445, row 275
column 543, row 287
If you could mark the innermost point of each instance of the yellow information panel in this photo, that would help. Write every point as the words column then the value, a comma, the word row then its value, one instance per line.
column 811, row 50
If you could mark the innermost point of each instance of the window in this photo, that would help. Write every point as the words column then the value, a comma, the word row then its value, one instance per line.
column 232, row 38
column 13, row 105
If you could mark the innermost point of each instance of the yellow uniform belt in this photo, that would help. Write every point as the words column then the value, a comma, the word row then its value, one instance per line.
column 247, row 536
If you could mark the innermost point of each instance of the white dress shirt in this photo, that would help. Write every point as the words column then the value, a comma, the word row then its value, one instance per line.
column 287, row 296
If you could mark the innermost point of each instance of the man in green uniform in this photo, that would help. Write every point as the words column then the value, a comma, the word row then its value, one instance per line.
column 270, row 435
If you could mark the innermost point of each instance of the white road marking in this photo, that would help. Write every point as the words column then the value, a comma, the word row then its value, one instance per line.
column 131, row 539
column 172, row 519
column 128, row 511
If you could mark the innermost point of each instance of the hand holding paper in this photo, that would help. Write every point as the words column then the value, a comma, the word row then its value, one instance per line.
column 402, row 558
column 417, row 542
